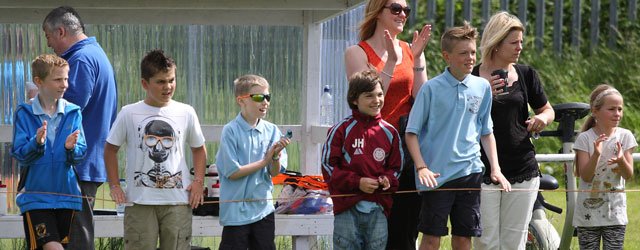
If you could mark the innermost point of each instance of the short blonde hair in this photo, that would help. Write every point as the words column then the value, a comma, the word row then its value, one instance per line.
column 43, row 64
column 368, row 25
column 496, row 30
column 242, row 85
column 466, row 32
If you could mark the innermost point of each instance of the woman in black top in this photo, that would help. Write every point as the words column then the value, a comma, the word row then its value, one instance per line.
column 505, row 216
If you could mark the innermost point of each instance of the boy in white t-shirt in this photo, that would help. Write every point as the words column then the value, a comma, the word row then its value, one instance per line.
column 160, row 192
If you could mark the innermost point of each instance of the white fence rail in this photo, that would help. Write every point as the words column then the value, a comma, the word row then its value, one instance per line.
column 567, row 157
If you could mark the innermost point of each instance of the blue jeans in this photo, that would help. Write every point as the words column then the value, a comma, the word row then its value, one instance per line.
column 353, row 229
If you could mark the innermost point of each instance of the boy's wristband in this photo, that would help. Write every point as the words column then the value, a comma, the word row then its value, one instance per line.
column 275, row 157
column 418, row 69
column 198, row 181
column 420, row 168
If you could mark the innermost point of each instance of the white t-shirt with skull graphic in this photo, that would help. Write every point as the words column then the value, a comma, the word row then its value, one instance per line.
column 603, row 208
column 156, row 140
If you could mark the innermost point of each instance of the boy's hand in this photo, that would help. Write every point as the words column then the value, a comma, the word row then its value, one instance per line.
column 427, row 177
column 41, row 133
column 274, row 152
column 499, row 178
column 368, row 185
column 117, row 194
column 384, row 182
column 71, row 141
column 196, row 196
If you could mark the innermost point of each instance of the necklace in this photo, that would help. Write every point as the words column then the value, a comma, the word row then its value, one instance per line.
column 598, row 132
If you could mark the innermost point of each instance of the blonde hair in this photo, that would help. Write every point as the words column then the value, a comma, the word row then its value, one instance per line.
column 496, row 30
column 43, row 64
column 242, row 85
column 596, row 100
column 456, row 34
column 368, row 25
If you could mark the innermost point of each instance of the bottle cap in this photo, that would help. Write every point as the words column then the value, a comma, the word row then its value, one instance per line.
column 326, row 88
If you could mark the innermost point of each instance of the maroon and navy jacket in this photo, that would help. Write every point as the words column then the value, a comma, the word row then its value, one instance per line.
column 361, row 146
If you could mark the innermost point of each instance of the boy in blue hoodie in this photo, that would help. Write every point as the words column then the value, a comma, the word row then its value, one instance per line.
column 48, row 141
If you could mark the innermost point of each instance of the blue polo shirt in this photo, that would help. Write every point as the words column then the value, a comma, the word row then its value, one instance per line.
column 449, row 116
column 52, row 121
column 240, row 144
column 92, row 86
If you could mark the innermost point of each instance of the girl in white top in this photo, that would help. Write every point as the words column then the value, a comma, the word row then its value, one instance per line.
column 603, row 162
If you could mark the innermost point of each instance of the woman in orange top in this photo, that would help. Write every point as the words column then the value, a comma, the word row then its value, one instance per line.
column 402, row 69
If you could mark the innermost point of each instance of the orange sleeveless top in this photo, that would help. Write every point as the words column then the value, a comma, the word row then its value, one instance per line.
column 397, row 101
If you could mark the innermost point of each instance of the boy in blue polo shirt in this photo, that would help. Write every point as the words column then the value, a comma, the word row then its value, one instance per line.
column 251, row 152
column 450, row 117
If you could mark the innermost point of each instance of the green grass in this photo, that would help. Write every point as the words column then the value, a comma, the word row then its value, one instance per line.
column 632, row 236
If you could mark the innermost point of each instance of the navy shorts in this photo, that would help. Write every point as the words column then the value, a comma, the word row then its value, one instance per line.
column 44, row 226
column 462, row 206
column 258, row 235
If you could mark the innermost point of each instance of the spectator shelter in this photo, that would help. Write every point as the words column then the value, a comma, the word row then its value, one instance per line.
column 307, row 14
column 20, row 24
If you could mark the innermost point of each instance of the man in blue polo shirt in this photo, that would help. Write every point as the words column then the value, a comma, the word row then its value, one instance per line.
column 92, row 86
column 450, row 117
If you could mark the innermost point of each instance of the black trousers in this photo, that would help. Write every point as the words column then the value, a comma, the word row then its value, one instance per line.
column 403, row 222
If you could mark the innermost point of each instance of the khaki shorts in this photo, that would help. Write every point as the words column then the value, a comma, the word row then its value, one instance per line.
column 144, row 224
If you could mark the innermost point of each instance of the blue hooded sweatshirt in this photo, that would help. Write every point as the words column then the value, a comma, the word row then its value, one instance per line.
column 47, row 171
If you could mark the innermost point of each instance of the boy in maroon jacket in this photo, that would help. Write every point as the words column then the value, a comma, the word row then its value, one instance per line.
column 362, row 159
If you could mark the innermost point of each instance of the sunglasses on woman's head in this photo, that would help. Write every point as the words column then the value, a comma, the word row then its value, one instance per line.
column 257, row 97
column 396, row 8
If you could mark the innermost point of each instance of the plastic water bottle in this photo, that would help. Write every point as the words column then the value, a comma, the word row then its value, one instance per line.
column 215, row 190
column 3, row 199
column 120, row 207
column 326, row 107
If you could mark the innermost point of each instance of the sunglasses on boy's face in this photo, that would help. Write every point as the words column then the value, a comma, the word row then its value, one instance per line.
column 257, row 97
column 396, row 8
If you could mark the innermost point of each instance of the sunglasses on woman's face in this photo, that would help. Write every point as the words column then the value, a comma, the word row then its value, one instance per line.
column 257, row 97
column 396, row 8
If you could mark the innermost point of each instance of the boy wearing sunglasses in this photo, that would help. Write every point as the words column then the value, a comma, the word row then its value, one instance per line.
column 160, row 192
column 362, row 159
column 251, row 152
column 48, row 142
